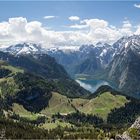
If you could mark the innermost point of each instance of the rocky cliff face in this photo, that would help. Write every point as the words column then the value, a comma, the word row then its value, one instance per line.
column 133, row 133
column 124, row 70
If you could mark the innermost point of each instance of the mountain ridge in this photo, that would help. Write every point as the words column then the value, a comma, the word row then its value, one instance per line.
column 119, row 62
column 124, row 68
column 46, row 67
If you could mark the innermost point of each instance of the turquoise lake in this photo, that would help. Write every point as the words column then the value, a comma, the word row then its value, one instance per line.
column 91, row 85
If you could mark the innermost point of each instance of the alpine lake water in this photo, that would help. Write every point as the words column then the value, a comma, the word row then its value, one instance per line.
column 91, row 84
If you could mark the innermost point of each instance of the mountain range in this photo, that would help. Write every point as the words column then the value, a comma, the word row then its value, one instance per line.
column 87, row 59
column 73, row 60
column 117, row 63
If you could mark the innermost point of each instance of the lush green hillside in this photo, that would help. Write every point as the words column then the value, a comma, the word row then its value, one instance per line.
column 103, row 104
column 42, row 65
column 36, row 94
column 100, row 105
column 46, row 67
column 30, row 90
column 34, row 99
column 22, row 112
column 8, row 86
column 58, row 103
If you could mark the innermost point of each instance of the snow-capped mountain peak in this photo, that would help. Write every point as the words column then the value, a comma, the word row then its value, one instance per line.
column 24, row 48
column 123, row 45
column 101, row 44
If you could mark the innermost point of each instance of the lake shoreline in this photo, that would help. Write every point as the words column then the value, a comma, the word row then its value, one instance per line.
column 91, row 84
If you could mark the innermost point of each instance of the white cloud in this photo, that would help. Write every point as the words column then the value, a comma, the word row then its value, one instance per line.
column 78, row 26
column 137, row 5
column 4, row 28
column 127, row 24
column 101, row 30
column 137, row 32
column 49, row 17
column 19, row 29
column 74, row 18
column 95, row 23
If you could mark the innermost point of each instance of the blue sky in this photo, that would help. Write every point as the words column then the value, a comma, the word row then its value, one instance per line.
column 114, row 12
column 68, row 23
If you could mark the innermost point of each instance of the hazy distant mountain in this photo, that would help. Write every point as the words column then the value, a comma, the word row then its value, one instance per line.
column 85, row 59
column 89, row 65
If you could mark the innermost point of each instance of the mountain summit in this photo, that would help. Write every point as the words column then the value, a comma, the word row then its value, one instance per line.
column 24, row 48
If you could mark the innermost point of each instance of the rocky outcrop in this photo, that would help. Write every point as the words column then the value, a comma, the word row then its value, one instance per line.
column 133, row 133
column 136, row 124
column 124, row 136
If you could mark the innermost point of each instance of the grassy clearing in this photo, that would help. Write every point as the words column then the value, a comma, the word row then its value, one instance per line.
column 58, row 103
column 13, row 69
column 103, row 104
column 79, row 103
column 7, row 83
column 56, row 124
column 22, row 112
column 8, row 86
